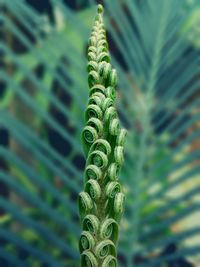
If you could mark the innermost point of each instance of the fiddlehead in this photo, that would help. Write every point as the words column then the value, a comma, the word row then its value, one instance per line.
column 93, row 188
column 109, row 230
column 109, row 261
column 92, row 172
column 104, row 248
column 101, row 204
column 86, row 241
column 88, row 259
column 91, row 223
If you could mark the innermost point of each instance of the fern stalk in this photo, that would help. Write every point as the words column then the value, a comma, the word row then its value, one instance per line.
column 101, row 203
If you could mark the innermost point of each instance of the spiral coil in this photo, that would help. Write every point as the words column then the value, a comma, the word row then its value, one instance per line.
column 101, row 204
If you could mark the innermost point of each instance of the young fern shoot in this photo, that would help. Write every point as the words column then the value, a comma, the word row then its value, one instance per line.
column 101, row 203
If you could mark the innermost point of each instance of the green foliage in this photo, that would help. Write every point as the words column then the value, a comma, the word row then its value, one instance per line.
column 42, row 102
column 101, row 204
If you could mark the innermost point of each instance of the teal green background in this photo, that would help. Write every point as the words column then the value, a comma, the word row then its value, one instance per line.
column 154, row 46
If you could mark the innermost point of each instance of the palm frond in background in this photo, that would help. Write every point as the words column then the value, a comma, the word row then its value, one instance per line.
column 155, row 47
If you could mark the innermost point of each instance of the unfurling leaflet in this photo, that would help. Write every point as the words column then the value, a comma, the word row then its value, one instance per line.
column 101, row 204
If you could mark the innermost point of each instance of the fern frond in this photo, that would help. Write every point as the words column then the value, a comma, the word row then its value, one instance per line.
column 101, row 204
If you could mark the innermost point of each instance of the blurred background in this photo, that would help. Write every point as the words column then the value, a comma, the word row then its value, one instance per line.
column 155, row 47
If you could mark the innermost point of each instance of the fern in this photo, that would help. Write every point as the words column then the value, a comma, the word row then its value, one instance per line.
column 155, row 50
column 101, row 204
